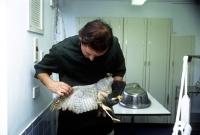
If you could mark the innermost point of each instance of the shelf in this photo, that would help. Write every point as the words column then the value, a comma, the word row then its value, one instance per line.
column 193, row 56
column 190, row 89
column 194, row 117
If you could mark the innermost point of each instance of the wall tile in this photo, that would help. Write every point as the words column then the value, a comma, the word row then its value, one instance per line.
column 45, row 124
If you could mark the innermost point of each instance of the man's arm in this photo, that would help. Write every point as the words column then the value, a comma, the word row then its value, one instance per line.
column 57, row 87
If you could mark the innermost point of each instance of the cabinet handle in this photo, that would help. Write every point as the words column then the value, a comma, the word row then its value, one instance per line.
column 144, row 63
column 168, row 99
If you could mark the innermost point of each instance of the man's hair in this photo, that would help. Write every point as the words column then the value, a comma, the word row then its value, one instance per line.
column 97, row 34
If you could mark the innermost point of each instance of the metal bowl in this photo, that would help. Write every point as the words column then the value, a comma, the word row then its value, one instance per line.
column 135, row 97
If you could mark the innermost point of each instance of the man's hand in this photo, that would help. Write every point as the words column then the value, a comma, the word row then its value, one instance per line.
column 114, row 97
column 57, row 87
column 60, row 88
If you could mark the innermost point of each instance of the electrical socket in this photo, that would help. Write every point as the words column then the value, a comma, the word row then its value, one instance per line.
column 36, row 92
column 35, row 50
column 41, row 55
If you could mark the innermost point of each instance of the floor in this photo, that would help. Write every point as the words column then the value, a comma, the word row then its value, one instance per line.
column 149, row 129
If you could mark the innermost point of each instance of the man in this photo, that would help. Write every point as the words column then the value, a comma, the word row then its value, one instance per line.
column 84, row 60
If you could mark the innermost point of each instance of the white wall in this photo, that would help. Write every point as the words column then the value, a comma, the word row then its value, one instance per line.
column 185, row 17
column 3, row 70
column 18, row 81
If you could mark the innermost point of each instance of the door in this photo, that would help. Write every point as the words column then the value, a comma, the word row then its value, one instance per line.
column 135, row 49
column 180, row 46
column 135, row 54
column 158, row 47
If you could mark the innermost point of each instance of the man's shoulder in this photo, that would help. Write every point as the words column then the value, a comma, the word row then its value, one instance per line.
column 69, row 42
column 115, row 38
column 115, row 42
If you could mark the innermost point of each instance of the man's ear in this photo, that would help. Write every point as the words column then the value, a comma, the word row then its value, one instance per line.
column 80, row 37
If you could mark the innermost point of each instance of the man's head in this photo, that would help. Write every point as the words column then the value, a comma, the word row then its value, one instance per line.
column 96, row 38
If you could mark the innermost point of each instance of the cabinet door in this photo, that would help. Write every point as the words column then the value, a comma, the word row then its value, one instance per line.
column 180, row 46
column 158, row 47
column 135, row 53
column 135, row 49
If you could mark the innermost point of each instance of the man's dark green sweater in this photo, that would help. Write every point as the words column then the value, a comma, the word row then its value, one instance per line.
column 66, row 58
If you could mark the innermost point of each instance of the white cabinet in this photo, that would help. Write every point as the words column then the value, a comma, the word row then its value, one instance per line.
column 146, row 49
column 180, row 46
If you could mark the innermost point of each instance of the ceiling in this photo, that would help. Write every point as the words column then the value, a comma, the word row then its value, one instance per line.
column 179, row 1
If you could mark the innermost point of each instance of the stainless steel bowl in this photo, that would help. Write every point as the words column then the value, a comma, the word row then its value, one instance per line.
column 135, row 97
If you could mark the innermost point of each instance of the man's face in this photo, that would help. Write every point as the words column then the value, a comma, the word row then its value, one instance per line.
column 90, row 53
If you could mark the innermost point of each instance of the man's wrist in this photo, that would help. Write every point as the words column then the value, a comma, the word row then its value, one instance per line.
column 46, row 80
